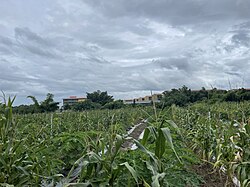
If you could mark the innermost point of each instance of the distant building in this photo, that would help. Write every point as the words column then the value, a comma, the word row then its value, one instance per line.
column 144, row 100
column 73, row 100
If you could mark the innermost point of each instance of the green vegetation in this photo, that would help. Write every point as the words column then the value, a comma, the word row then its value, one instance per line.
column 86, row 148
column 97, row 100
column 219, row 134
column 48, row 105
column 100, row 97
column 101, row 100
column 85, row 105
column 184, row 96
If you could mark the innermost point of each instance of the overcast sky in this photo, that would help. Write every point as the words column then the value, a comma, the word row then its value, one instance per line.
column 125, row 47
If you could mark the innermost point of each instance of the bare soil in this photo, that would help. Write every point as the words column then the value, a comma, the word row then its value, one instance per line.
column 211, row 177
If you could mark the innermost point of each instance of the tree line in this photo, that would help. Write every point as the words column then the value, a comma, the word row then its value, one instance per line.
column 102, row 100
column 184, row 96
column 95, row 100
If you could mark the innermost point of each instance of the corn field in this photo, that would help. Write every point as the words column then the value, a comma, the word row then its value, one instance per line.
column 86, row 148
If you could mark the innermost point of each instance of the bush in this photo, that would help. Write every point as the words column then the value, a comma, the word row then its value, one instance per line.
column 86, row 105
column 114, row 105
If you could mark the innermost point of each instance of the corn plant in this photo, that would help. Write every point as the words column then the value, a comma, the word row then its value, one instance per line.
column 14, row 164
column 241, row 164
column 160, row 136
column 220, row 135
column 99, row 166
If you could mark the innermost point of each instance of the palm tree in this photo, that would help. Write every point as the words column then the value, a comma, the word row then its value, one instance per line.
column 37, row 106
column 48, row 105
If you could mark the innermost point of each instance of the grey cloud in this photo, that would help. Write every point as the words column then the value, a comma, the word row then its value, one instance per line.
column 239, row 64
column 5, row 41
column 6, row 45
column 25, row 35
column 175, row 12
column 34, row 43
column 245, row 26
column 124, row 47
column 156, row 9
column 233, row 73
column 182, row 64
column 241, row 39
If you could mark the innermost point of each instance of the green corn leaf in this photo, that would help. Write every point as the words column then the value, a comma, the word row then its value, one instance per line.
column 118, row 144
column 147, row 132
column 76, row 164
column 243, row 173
column 94, row 158
column 166, row 132
column 6, row 185
column 131, row 170
column 173, row 124
column 156, row 179
column 23, row 170
column 143, row 149
column 77, row 184
column 151, row 167
column 145, row 184
column 145, row 136
column 160, row 144
column 246, row 183
column 168, row 137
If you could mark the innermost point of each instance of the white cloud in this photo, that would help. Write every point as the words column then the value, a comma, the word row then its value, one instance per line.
column 127, row 48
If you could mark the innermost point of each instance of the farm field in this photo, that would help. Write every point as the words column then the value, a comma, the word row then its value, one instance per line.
column 86, row 148
column 121, row 93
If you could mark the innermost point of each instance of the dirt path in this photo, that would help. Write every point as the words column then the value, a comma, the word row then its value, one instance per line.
column 134, row 134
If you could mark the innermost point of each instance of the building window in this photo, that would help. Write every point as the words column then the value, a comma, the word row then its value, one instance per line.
column 143, row 99
column 150, row 98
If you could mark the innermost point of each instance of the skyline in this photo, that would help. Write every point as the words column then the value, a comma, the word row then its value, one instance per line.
column 73, row 47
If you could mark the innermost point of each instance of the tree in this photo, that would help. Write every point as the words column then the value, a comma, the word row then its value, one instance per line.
column 36, row 105
column 114, row 105
column 25, row 109
column 231, row 96
column 1, row 107
column 199, row 95
column 48, row 105
column 180, row 97
column 86, row 105
column 100, row 97
column 67, row 107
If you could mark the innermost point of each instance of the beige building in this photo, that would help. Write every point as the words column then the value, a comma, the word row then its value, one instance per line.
column 144, row 100
column 73, row 100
